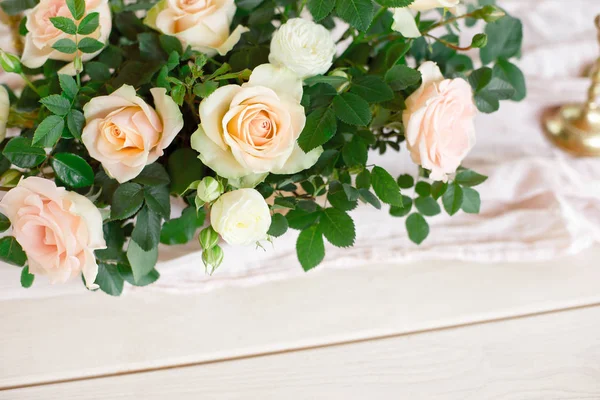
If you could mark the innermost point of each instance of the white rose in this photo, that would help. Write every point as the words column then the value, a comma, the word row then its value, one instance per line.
column 304, row 47
column 404, row 20
column 4, row 111
column 241, row 217
column 201, row 24
column 42, row 34
column 251, row 130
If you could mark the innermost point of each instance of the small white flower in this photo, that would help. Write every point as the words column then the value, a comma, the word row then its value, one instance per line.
column 304, row 47
column 241, row 217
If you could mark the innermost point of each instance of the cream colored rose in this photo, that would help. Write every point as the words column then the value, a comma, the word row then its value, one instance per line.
column 404, row 20
column 438, row 122
column 201, row 24
column 4, row 111
column 241, row 217
column 58, row 230
column 43, row 35
column 125, row 134
column 304, row 47
column 250, row 130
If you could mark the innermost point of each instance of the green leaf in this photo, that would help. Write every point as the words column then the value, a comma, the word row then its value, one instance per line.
column 14, row 7
column 351, row 192
column 126, row 201
column 510, row 73
column 68, row 86
column 97, row 71
column 66, row 46
column 427, row 206
column 320, row 127
column 21, row 153
column 26, row 278
column 438, row 189
column 184, row 167
column 337, row 197
column 89, row 45
column 372, row 88
column 157, row 198
column 407, row 204
column 57, row 104
column 423, row 188
column 109, row 279
column 395, row 3
column 205, row 89
column 127, row 274
column 358, row 13
column 355, row 152
column 279, row 225
column 75, row 122
column 331, row 80
column 363, row 180
column 77, row 8
column 64, row 24
column 170, row 44
column 352, row 109
column 385, row 187
column 471, row 203
column 417, row 228
column 142, row 262
column 320, row 8
column 4, row 223
column 452, row 199
column 12, row 252
column 301, row 219
column 72, row 170
column 480, row 78
column 487, row 99
column 153, row 175
column 401, row 77
column 469, row 177
column 181, row 230
column 505, row 37
column 89, row 24
column 368, row 197
column 310, row 247
column 406, row 181
column 49, row 131
column 338, row 227
column 146, row 232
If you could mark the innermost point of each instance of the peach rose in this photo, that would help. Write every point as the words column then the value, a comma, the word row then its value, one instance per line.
column 438, row 122
column 58, row 230
column 42, row 34
column 201, row 24
column 125, row 134
column 250, row 130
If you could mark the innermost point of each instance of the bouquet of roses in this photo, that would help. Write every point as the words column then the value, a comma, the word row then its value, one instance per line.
column 258, row 114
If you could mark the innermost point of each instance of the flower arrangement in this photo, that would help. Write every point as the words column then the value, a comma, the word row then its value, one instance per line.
column 259, row 114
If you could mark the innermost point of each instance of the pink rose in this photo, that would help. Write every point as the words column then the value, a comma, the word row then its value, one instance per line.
column 58, row 230
column 438, row 122
column 43, row 35
column 125, row 134
column 201, row 24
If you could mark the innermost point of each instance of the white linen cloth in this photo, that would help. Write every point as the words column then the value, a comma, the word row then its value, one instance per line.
column 539, row 203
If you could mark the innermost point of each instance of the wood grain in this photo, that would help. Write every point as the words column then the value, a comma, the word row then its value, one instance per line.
column 547, row 357
column 72, row 337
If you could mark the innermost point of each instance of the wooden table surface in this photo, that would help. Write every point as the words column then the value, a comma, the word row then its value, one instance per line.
column 438, row 330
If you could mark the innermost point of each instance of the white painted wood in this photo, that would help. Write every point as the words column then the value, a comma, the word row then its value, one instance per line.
column 69, row 337
column 547, row 357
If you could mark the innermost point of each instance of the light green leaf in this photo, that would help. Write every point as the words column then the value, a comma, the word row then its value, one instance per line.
column 469, row 177
column 126, row 272
column 142, row 262
column 452, row 199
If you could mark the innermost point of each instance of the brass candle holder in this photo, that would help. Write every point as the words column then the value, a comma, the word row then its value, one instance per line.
column 576, row 127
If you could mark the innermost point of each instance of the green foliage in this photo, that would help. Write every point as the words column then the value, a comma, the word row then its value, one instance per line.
column 72, row 170
column 4, row 223
column 127, row 200
column 505, row 37
column 279, row 225
column 20, row 152
column 181, row 230
column 320, row 127
column 26, row 278
column 109, row 279
column 417, row 227
column 337, row 226
column 352, row 109
column 358, row 13
column 385, row 187
column 310, row 247
column 11, row 251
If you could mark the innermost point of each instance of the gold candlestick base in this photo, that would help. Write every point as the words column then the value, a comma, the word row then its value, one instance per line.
column 574, row 129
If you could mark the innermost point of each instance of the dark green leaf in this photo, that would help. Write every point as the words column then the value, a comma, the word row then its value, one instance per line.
column 146, row 232
column 77, row 8
column 64, row 24
column 26, row 278
column 127, row 200
column 417, row 228
column 310, row 247
column 66, row 46
column 480, row 78
column 153, row 175
column 57, row 104
column 320, row 127
column 510, row 73
column 49, row 131
column 358, row 13
column 4, row 223
column 505, row 37
column 355, row 152
column 385, row 187
column 127, row 274
column 471, row 203
column 142, row 262
column 352, row 109
column 320, row 8
column 109, row 279
column 72, row 170
column 363, row 180
column 184, row 167
column 279, row 225
column 97, row 71
column 338, row 227
column 157, row 198
column 395, row 3
column 12, row 252
column 406, row 181
column 372, row 88
column 15, row 7
column 21, row 153
column 68, row 86
column 75, row 122
column 438, row 189
column 407, row 204
column 452, row 199
column 368, row 197
column 337, row 197
column 89, row 45
column 181, row 230
column 468, row 177
column 89, row 24
column 170, row 44
column 401, row 77
column 423, row 188
column 301, row 219
column 427, row 206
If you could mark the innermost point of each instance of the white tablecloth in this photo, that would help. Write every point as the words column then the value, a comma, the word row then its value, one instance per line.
column 538, row 203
